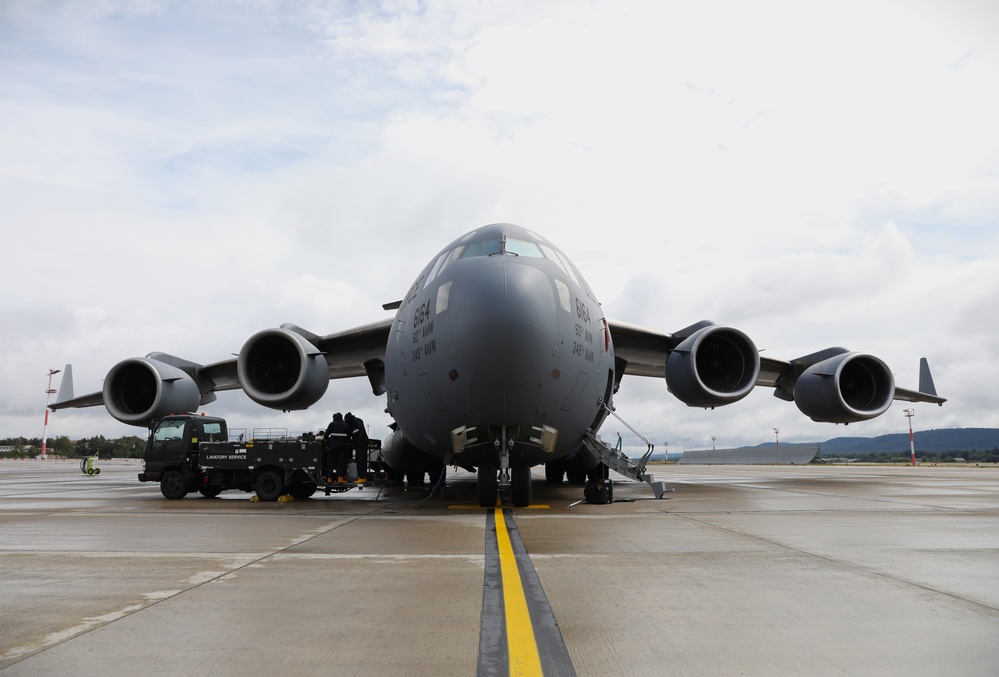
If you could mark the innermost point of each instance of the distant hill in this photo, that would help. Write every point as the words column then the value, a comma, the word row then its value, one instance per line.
column 927, row 441
column 930, row 441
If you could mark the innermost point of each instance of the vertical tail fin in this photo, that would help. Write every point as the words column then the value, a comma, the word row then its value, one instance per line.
column 925, row 378
column 65, row 385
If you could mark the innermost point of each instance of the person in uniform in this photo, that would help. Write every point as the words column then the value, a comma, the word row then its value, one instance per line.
column 338, row 447
column 359, row 442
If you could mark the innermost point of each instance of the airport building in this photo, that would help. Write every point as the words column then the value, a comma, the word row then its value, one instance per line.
column 784, row 454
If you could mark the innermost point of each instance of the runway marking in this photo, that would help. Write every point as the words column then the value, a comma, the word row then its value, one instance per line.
column 469, row 506
column 518, row 634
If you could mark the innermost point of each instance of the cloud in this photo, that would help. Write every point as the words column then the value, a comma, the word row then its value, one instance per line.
column 177, row 177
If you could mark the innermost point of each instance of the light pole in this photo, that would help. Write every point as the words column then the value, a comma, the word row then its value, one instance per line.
column 777, row 436
column 712, row 443
column 909, row 413
column 48, row 393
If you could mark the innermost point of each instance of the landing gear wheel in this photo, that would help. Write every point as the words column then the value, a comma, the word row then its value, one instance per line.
column 520, row 483
column 599, row 493
column 487, row 484
column 554, row 472
column 173, row 485
column 269, row 486
column 300, row 491
column 437, row 472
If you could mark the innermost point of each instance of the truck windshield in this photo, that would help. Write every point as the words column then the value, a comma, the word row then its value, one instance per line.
column 168, row 430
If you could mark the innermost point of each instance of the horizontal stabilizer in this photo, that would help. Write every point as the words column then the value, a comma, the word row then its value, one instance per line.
column 927, row 391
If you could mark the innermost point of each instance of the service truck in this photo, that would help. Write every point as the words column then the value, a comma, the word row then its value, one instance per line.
column 186, row 453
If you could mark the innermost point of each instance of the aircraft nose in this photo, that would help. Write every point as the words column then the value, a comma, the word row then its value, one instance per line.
column 504, row 315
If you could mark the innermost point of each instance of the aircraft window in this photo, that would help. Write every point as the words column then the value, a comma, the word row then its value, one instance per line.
column 522, row 248
column 443, row 296
column 455, row 255
column 550, row 255
column 487, row 248
column 436, row 269
column 563, row 295
column 567, row 265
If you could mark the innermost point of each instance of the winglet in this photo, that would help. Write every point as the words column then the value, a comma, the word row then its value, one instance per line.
column 65, row 385
column 925, row 378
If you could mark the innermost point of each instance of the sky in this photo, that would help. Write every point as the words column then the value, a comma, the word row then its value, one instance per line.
column 176, row 176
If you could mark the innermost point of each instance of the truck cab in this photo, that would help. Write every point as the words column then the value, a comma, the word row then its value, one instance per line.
column 171, row 450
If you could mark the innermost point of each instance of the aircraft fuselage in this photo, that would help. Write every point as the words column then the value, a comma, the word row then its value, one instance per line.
column 499, row 347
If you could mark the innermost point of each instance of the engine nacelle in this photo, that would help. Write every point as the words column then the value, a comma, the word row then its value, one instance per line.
column 140, row 390
column 282, row 370
column 398, row 451
column 712, row 367
column 403, row 456
column 844, row 389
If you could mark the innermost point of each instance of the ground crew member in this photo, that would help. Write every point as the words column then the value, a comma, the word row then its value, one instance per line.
column 359, row 441
column 338, row 447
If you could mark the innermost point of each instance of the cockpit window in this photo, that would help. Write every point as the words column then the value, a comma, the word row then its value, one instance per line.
column 507, row 246
column 443, row 261
column 567, row 266
column 522, row 248
column 487, row 248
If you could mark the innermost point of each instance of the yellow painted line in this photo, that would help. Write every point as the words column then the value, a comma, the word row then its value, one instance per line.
column 522, row 647
column 539, row 506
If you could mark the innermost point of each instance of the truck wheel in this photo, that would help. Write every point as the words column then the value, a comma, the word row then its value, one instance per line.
column 173, row 485
column 269, row 485
column 210, row 491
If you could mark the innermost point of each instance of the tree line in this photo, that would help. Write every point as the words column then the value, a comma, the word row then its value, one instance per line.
column 128, row 446
column 971, row 456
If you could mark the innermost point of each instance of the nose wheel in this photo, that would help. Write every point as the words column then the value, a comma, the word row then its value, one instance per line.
column 520, row 483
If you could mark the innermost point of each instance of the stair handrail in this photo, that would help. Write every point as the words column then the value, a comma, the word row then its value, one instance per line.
column 650, row 447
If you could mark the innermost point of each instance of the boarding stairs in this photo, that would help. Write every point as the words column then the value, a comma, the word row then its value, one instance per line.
column 615, row 459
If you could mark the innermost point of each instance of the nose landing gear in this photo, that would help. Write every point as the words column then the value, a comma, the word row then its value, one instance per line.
column 505, row 471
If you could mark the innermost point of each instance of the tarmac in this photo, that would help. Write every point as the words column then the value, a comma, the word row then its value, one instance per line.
column 741, row 570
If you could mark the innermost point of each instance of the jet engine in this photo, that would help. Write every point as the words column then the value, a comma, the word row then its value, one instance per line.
column 141, row 389
column 846, row 388
column 715, row 365
column 282, row 370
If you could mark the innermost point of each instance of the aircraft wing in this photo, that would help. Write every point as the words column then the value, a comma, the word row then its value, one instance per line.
column 644, row 352
column 349, row 353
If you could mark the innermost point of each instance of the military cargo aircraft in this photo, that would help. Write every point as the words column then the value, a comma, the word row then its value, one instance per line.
column 500, row 358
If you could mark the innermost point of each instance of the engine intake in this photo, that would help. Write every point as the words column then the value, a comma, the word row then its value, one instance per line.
column 139, row 390
column 282, row 370
column 844, row 389
column 714, row 366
